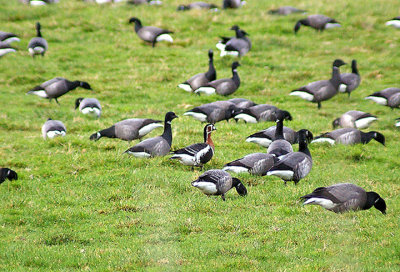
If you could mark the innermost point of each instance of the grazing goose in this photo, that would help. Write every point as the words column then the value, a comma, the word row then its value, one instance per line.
column 235, row 46
column 388, row 97
column 349, row 136
column 242, row 102
column 6, row 173
column 8, row 37
column 256, row 164
column 218, row 182
column 201, row 79
column 260, row 113
column 196, row 5
column 213, row 113
column 286, row 10
column 280, row 146
column 56, row 87
column 394, row 22
column 265, row 137
column 225, row 86
column 157, row 146
column 350, row 81
column 37, row 45
column 5, row 48
column 197, row 154
column 53, row 128
column 151, row 34
column 354, row 119
column 296, row 165
column 89, row 106
column 140, row 2
column 233, row 4
column 344, row 197
column 318, row 22
column 128, row 129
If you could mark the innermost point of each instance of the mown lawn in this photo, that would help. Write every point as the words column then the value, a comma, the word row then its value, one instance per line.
column 84, row 205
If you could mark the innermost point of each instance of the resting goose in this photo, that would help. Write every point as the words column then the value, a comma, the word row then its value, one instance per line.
column 151, row 34
column 318, row 22
column 128, row 129
column 213, row 113
column 354, row 119
column 225, row 86
column 286, row 10
column 8, row 37
column 7, row 173
column 235, row 46
column 350, row 81
column 296, row 165
column 218, row 182
column 260, row 113
column 5, row 48
column 349, row 136
column 201, row 79
column 265, row 137
column 344, row 197
column 394, row 22
column 280, row 146
column 196, row 5
column 53, row 128
column 388, row 97
column 197, row 154
column 56, row 87
column 242, row 102
column 157, row 146
column 233, row 4
column 37, row 45
column 89, row 106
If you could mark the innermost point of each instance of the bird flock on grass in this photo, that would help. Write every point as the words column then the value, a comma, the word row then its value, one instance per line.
column 280, row 159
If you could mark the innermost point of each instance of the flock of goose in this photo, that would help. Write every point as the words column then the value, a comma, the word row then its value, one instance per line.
column 279, row 160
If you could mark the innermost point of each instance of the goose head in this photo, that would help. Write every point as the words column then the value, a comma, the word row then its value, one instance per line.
column 305, row 135
column 336, row 123
column 240, row 189
column 78, row 102
column 379, row 137
column 85, row 85
column 376, row 200
column 135, row 20
column 338, row 63
column 10, row 174
column 210, row 54
column 169, row 116
column 286, row 115
column 235, row 65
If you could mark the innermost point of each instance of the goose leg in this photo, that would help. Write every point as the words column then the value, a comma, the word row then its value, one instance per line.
column 223, row 197
column 348, row 94
column 57, row 101
column 319, row 105
column 153, row 44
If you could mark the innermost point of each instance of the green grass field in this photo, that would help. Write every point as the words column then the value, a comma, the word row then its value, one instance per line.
column 83, row 205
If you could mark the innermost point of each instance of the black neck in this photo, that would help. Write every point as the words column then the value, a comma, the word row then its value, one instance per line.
column 167, row 134
column 354, row 69
column 38, row 33
column 108, row 132
column 371, row 199
column 335, row 80
column 235, row 182
column 367, row 137
column 211, row 73
column 304, row 22
column 235, row 77
column 239, row 34
column 73, row 85
column 303, row 147
column 138, row 26
column 279, row 130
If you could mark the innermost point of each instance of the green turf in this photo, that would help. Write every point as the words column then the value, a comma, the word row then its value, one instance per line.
column 83, row 205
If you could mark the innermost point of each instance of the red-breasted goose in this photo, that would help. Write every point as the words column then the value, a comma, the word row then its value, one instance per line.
column 6, row 48
column 235, row 46
column 225, row 86
column 354, row 119
column 213, row 112
column 197, row 154
column 344, row 197
column 201, row 79
column 280, row 146
column 395, row 22
column 218, row 182
column 56, row 87
column 128, row 129
column 53, row 128
column 89, row 106
column 260, row 113
column 7, row 173
column 286, row 10
column 197, row 5
column 318, row 22
column 350, row 81
column 151, row 34
column 296, row 165
column 233, row 4
column 157, row 146
column 265, row 137
column 8, row 37
column 388, row 97
column 37, row 45
column 349, row 136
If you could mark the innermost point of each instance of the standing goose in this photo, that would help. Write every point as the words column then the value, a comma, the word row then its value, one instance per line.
column 354, row 119
column 350, row 136
column 201, row 79
column 235, row 46
column 56, row 87
column 53, row 128
column 37, row 45
column 318, row 22
column 157, row 146
column 286, row 10
column 197, row 154
column 7, row 173
column 260, row 113
column 344, row 197
column 233, row 4
column 6, row 48
column 256, row 164
column 151, row 34
column 395, row 22
column 89, row 106
column 128, row 129
column 280, row 146
column 218, row 182
column 212, row 113
column 388, row 97
column 8, row 37
column 265, row 137
column 296, row 165
column 350, row 81
column 196, row 5
column 225, row 86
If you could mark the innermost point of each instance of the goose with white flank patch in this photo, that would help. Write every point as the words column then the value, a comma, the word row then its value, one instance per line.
column 344, row 197
column 8, row 37
column 218, row 182
column 388, row 97
column 280, row 146
column 157, row 146
column 354, row 119
column 201, row 79
column 7, row 173
column 53, row 128
column 37, row 45
column 260, row 113
column 235, row 46
column 233, row 4
column 213, row 113
column 225, row 86
column 6, row 48
column 318, row 22
column 89, row 106
column 255, row 164
column 350, row 81
column 151, row 34
column 349, row 136
column 286, row 10
column 128, row 129
column 196, row 5
column 56, row 87
column 296, row 165
column 265, row 137
column 197, row 154
column 395, row 22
